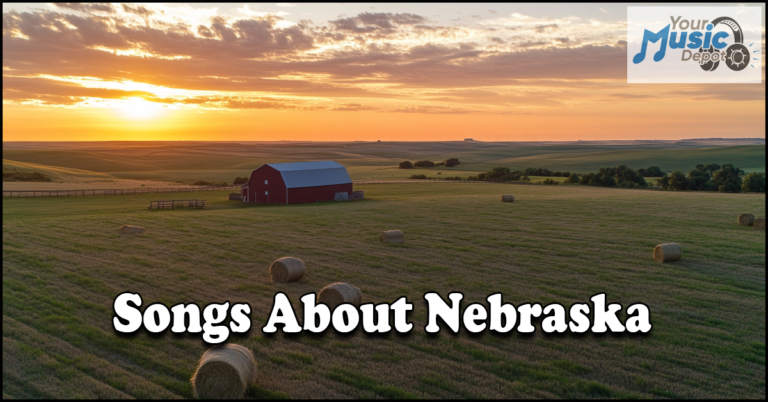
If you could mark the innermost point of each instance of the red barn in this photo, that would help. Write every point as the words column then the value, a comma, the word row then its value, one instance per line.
column 297, row 183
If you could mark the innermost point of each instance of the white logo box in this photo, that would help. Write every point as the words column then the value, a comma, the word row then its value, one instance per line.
column 733, row 63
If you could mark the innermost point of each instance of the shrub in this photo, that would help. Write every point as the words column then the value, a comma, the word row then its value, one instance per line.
column 550, row 182
column 210, row 183
column 14, row 175
column 418, row 177
column 424, row 164
column 451, row 162
column 754, row 183
column 405, row 165
column 573, row 178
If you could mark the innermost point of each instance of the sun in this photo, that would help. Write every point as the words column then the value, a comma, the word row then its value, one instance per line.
column 139, row 109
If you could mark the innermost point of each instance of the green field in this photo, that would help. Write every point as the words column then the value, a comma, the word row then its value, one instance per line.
column 192, row 161
column 64, row 262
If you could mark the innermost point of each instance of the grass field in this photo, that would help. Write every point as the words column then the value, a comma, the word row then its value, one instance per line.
column 64, row 262
column 192, row 161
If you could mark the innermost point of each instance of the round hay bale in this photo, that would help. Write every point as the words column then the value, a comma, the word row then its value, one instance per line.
column 358, row 194
column 667, row 252
column 338, row 293
column 759, row 224
column 746, row 219
column 130, row 229
column 508, row 198
column 224, row 372
column 287, row 269
column 391, row 236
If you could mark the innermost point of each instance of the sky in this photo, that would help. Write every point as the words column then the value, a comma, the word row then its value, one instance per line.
column 345, row 72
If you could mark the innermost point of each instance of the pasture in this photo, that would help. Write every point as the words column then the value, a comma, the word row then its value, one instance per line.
column 190, row 161
column 64, row 262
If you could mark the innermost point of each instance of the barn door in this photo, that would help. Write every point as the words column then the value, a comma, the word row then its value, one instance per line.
column 341, row 196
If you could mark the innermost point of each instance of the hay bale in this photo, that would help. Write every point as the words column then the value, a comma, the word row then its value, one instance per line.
column 508, row 198
column 338, row 293
column 746, row 219
column 759, row 224
column 358, row 194
column 391, row 236
column 287, row 269
column 224, row 372
column 667, row 252
column 130, row 229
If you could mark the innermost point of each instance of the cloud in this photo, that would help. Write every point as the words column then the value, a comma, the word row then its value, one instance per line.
column 430, row 110
column 370, row 22
column 87, row 7
column 631, row 96
column 141, row 11
column 602, row 9
column 252, row 62
column 352, row 107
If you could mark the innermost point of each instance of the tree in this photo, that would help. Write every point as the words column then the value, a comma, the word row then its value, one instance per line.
column 698, row 180
column 700, row 167
column 727, row 179
column 711, row 168
column 663, row 182
column 626, row 177
column 678, row 181
column 424, row 164
column 572, row 179
column 240, row 180
column 405, row 165
column 651, row 171
column 451, row 162
column 586, row 178
column 754, row 183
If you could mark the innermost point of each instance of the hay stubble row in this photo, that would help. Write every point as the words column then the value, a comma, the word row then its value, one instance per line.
column 451, row 235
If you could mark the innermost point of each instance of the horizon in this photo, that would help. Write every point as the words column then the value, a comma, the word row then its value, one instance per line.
column 350, row 72
column 374, row 141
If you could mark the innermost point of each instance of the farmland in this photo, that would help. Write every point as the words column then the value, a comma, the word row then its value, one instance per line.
column 64, row 262
column 188, row 162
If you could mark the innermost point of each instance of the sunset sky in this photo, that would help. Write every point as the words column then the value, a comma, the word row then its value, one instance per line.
column 338, row 72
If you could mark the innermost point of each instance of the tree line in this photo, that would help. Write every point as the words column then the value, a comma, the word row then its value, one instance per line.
column 711, row 177
column 450, row 162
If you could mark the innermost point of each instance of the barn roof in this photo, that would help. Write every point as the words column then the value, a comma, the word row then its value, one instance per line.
column 312, row 174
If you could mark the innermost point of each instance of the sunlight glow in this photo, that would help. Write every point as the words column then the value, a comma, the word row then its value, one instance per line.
column 139, row 109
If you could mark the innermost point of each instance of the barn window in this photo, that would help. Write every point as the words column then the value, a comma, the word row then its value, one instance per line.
column 266, row 193
column 266, row 181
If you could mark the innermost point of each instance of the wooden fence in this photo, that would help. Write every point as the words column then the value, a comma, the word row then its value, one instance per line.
column 173, row 204
column 105, row 192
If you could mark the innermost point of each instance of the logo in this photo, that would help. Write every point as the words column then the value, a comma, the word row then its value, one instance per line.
column 682, row 45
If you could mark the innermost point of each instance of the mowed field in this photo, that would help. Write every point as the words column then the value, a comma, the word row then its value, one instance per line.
column 64, row 262
column 188, row 162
